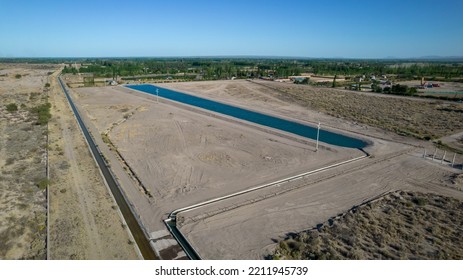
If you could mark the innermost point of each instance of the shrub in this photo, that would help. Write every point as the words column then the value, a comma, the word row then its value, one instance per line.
column 43, row 184
column 12, row 107
column 47, row 85
column 421, row 201
column 105, row 138
column 18, row 76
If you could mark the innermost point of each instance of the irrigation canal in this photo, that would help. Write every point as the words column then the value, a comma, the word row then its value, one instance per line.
column 135, row 228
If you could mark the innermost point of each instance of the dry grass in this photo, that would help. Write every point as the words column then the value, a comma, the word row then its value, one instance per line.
column 420, row 119
column 22, row 167
column 402, row 225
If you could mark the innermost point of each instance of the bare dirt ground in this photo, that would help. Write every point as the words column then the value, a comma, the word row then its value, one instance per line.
column 254, row 227
column 360, row 112
column 176, row 157
column 22, row 162
column 426, row 118
column 183, row 157
column 85, row 222
column 400, row 225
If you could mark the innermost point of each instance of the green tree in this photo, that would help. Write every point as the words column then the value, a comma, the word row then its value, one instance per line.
column 412, row 91
column 400, row 89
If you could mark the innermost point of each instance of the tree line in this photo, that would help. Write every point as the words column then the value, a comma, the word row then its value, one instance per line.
column 226, row 68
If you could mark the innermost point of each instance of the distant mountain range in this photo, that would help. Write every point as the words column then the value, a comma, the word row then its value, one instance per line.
column 428, row 57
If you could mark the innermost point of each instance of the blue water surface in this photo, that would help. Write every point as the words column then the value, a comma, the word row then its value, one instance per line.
column 255, row 117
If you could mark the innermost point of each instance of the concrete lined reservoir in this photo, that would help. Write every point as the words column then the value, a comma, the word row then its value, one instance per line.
column 254, row 117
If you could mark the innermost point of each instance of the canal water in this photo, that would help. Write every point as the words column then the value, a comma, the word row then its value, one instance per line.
column 255, row 117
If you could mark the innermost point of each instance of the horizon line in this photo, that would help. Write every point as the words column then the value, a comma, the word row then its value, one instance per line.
column 428, row 57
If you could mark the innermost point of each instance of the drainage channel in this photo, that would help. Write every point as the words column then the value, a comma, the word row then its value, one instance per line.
column 133, row 224
column 171, row 221
column 171, row 224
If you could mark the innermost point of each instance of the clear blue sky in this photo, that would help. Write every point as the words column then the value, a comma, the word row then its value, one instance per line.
column 333, row 28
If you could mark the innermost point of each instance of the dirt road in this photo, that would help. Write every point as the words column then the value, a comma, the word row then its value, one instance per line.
column 84, row 219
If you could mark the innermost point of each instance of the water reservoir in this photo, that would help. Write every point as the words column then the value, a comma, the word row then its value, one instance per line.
column 255, row 117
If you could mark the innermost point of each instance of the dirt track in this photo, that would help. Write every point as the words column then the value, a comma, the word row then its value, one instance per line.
column 84, row 222
column 259, row 225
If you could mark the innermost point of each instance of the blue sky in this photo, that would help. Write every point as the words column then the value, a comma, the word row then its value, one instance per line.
column 334, row 28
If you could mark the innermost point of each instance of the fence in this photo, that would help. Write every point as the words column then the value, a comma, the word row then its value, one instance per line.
column 440, row 156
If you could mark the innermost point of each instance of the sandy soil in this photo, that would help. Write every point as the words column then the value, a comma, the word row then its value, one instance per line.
column 183, row 157
column 259, row 225
column 22, row 162
column 177, row 157
column 250, row 231
column 85, row 222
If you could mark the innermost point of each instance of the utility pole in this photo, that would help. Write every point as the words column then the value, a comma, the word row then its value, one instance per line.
column 318, row 136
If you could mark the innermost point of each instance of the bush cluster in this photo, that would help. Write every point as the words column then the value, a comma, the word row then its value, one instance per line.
column 12, row 107
column 43, row 113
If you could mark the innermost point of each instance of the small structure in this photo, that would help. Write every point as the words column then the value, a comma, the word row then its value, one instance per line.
column 359, row 79
column 112, row 82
